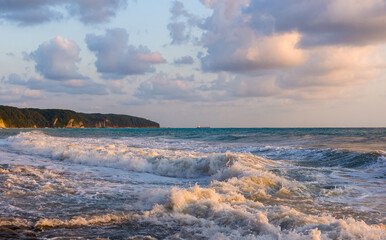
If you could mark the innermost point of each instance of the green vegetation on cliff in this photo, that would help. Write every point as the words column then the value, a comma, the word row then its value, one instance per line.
column 12, row 117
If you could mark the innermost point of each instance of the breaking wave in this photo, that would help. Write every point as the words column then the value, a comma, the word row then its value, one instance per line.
column 129, row 154
column 184, row 159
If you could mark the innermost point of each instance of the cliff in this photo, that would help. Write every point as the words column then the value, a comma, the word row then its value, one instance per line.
column 12, row 117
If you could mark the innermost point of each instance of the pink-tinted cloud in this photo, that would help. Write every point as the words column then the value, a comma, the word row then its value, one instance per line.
column 251, row 52
column 335, row 66
column 33, row 94
column 154, row 57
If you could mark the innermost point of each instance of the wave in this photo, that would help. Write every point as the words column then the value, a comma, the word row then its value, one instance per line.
column 139, row 155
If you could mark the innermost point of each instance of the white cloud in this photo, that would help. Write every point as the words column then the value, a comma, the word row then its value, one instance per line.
column 57, row 59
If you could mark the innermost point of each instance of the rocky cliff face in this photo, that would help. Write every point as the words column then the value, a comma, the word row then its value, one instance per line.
column 74, row 124
column 2, row 125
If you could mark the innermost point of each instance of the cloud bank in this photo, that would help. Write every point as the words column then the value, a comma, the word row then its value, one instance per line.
column 279, row 48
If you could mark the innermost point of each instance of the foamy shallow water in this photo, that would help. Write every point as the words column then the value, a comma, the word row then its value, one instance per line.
column 197, row 184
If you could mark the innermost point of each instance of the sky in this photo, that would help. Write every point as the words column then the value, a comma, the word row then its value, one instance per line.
column 218, row 63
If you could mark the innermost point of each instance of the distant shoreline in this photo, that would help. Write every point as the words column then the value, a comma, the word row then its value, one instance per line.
column 34, row 118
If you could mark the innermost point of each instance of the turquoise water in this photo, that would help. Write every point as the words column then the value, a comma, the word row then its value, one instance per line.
column 257, row 183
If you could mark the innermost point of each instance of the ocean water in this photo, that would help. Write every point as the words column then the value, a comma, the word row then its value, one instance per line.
column 193, row 184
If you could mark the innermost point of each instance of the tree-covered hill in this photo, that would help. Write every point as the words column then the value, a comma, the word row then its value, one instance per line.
column 12, row 117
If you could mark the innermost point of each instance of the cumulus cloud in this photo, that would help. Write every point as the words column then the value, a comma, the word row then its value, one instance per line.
column 27, row 12
column 57, row 59
column 251, row 52
column 116, row 59
column 232, row 45
column 164, row 87
column 184, row 60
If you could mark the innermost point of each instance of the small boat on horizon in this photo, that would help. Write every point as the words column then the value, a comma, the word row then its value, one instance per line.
column 203, row 127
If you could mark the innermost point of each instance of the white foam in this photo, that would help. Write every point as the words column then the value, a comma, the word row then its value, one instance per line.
column 19, row 222
column 84, row 220
column 232, row 215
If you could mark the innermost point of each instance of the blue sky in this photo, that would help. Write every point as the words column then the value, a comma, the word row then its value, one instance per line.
column 229, row 63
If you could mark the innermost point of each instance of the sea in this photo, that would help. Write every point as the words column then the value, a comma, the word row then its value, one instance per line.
column 217, row 183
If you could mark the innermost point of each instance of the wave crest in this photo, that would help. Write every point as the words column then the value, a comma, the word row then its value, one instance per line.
column 125, row 154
